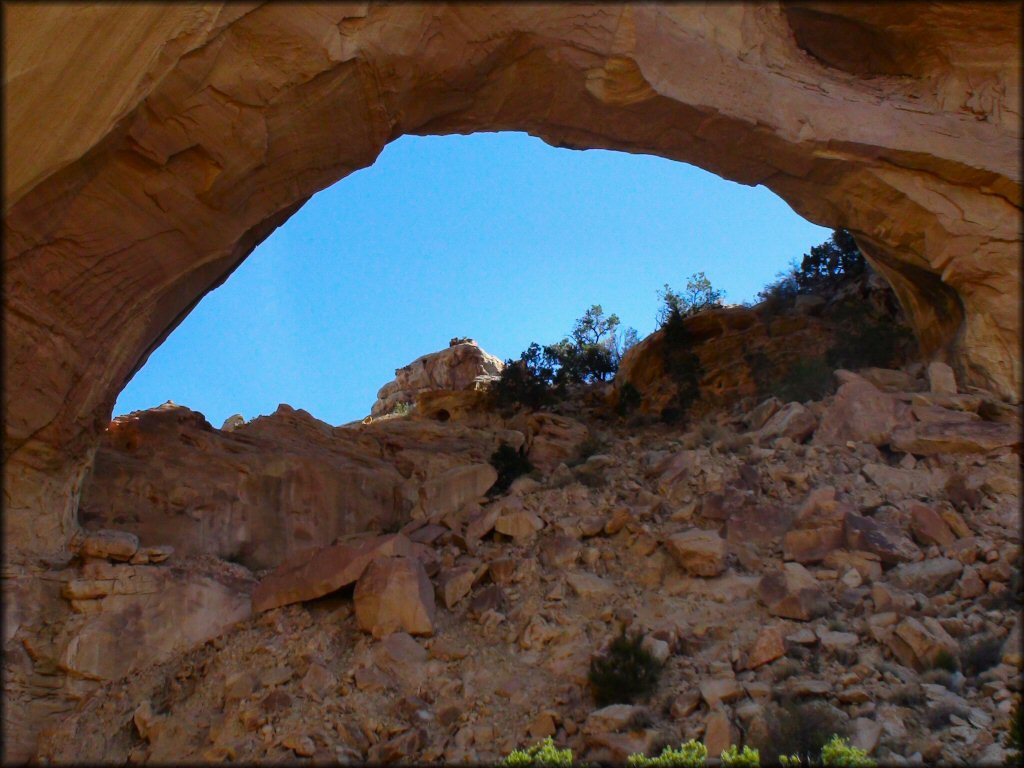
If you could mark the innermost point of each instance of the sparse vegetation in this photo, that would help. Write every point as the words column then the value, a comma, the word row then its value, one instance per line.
column 543, row 754
column 735, row 758
column 540, row 376
column 838, row 753
column 699, row 295
column 801, row 729
column 625, row 673
column 1014, row 741
column 945, row 660
column 692, row 754
column 510, row 464
column 981, row 654
column 629, row 399
column 402, row 409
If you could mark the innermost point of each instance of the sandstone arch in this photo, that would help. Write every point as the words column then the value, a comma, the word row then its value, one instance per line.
column 150, row 148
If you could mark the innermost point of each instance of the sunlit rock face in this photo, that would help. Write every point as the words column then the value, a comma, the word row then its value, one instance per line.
column 178, row 137
column 462, row 366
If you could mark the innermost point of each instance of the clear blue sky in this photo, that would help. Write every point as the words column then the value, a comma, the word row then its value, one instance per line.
column 494, row 236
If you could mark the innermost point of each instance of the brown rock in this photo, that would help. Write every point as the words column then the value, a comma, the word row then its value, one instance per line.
column 928, row 577
column 768, row 647
column 612, row 719
column 110, row 545
column 719, row 733
column 859, row 412
column 721, row 690
column 954, row 436
column 309, row 576
column 793, row 421
column 463, row 365
column 394, row 594
column 455, row 584
column 926, row 640
column 792, row 593
column 941, row 380
column 812, row 545
column 519, row 524
column 929, row 527
column 699, row 552
column 885, row 541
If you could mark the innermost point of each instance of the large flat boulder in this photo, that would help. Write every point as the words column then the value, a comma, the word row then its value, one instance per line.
column 308, row 576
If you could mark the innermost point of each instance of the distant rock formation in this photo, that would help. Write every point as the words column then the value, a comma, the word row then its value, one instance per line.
column 462, row 366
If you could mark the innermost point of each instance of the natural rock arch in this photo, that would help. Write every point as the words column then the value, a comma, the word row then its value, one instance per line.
column 149, row 148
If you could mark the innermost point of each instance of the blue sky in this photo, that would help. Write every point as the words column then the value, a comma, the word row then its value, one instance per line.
column 496, row 236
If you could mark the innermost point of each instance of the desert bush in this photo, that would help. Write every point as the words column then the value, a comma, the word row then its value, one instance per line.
column 624, row 673
column 528, row 381
column 981, row 654
column 836, row 259
column 780, row 294
column 945, row 660
column 692, row 754
column 800, row 729
column 1014, row 741
column 402, row 409
column 864, row 340
column 938, row 716
column 682, row 365
column 629, row 399
column 734, row 758
column 699, row 295
column 510, row 464
column 838, row 753
column 543, row 754
column 809, row 378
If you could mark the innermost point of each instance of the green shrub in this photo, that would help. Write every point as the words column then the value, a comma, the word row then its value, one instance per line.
column 625, row 673
column 699, row 295
column 510, row 464
column 733, row 758
column 692, row 754
column 836, row 259
column 402, row 409
column 528, row 381
column 838, row 753
column 542, row 754
column 681, row 365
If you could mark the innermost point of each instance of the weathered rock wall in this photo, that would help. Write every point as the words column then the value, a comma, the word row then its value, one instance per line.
column 151, row 147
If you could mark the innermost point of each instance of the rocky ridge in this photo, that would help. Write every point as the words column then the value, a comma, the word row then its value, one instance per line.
column 833, row 552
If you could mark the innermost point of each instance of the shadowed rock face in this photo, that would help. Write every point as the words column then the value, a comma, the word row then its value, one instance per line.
column 155, row 146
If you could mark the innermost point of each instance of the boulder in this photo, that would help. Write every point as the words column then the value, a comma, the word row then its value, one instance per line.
column 887, row 542
column 719, row 733
column 929, row 527
column 793, row 421
column 859, row 412
column 699, row 552
column 308, row 576
column 924, row 639
column 462, row 365
column 454, row 584
column 394, row 594
column 612, row 719
column 811, row 545
column 954, row 436
column 453, row 489
column 769, row 646
column 941, row 379
column 793, row 593
column 928, row 577
column 720, row 690
column 109, row 545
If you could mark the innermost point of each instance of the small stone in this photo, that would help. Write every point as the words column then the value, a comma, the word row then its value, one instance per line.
column 302, row 746
column 941, row 379
column 699, row 552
